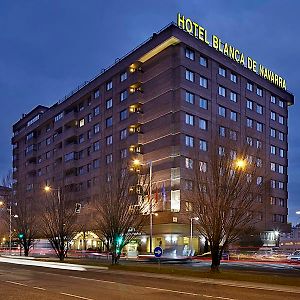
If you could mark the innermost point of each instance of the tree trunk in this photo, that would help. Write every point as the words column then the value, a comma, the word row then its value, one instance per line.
column 61, row 256
column 26, row 251
column 215, row 258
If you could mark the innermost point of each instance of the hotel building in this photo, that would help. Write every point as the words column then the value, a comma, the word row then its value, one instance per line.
column 167, row 96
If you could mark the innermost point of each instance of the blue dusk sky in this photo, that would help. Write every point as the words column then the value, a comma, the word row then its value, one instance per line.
column 49, row 47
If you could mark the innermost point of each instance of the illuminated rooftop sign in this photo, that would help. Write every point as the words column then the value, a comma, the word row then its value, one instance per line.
column 235, row 54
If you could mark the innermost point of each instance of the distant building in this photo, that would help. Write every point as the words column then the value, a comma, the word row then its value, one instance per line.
column 169, row 95
column 290, row 241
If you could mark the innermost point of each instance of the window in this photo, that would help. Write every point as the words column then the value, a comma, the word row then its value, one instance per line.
column 123, row 114
column 189, row 53
column 123, row 95
column 109, row 122
column 81, row 122
column 273, row 150
column 222, row 91
column 48, row 154
column 109, row 140
column 89, row 134
column 273, row 99
column 189, row 97
column 273, row 200
column 222, row 111
column 203, row 61
column 203, row 103
column 203, row 145
column 189, row 119
column 233, row 96
column 81, row 106
column 249, row 123
column 259, row 127
column 222, row 72
column 96, row 146
column 80, row 154
column 109, row 158
column 259, row 180
column 259, row 92
column 259, row 162
column 273, row 183
column 96, row 163
column 96, row 110
column 222, row 131
column 280, row 119
column 189, row 75
column 123, row 76
column 70, row 156
column 280, row 103
column 221, row 151
column 188, row 163
column 249, row 104
column 58, row 117
column 81, row 138
column 233, row 116
column 259, row 109
column 48, row 141
column 96, row 94
column 280, row 135
column 96, row 128
column 189, row 141
column 273, row 167
column 89, row 118
column 203, row 82
column 109, row 103
column 233, row 77
column 233, row 135
column 249, row 86
column 280, row 185
column 273, row 132
column 124, row 153
column 109, row 85
column 203, row 166
column 123, row 134
column 281, row 152
column 280, row 169
column 249, row 141
column 273, row 115
column 281, row 202
column 258, row 144
column 203, row 124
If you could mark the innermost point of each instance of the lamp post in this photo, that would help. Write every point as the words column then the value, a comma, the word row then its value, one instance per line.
column 136, row 162
column 191, row 236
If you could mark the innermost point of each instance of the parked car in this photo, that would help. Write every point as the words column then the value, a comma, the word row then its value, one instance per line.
column 295, row 256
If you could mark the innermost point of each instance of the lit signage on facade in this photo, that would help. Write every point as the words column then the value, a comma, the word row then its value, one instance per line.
column 235, row 54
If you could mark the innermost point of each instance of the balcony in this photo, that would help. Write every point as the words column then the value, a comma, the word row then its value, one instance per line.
column 30, row 155
column 70, row 133
column 138, row 149
column 136, row 87
column 136, row 108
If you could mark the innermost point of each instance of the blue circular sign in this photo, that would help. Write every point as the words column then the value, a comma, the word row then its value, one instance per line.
column 158, row 252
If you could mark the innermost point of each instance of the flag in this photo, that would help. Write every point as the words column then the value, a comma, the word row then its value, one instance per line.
column 164, row 195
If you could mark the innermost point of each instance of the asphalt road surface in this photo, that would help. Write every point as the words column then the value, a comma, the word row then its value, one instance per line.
column 30, row 283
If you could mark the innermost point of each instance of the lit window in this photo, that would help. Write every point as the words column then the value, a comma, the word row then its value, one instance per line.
column 188, row 163
column 81, row 123
column 202, row 166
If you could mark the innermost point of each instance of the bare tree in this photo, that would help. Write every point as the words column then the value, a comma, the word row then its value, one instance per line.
column 122, row 208
column 23, row 214
column 223, row 196
column 59, row 221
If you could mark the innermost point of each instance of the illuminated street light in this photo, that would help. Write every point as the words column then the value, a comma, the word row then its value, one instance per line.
column 47, row 188
column 298, row 212
column 240, row 163
column 191, row 238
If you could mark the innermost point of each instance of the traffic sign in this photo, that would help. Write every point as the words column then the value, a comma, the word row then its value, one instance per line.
column 158, row 252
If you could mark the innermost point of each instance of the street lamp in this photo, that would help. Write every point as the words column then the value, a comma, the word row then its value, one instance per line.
column 136, row 163
column 240, row 163
column 298, row 212
column 48, row 189
column 191, row 238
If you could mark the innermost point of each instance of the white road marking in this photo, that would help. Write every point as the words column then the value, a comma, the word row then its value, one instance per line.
column 17, row 283
column 39, row 288
column 186, row 293
column 76, row 296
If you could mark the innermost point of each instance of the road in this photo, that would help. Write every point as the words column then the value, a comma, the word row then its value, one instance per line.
column 30, row 283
